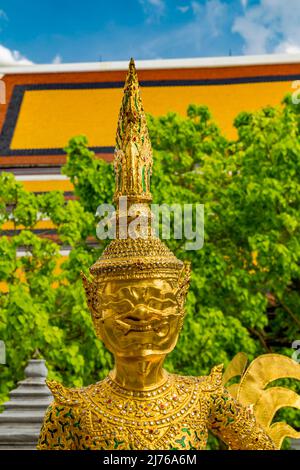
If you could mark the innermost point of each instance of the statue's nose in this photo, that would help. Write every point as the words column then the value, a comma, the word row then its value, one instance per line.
column 141, row 312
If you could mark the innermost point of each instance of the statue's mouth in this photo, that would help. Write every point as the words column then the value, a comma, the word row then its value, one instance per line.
column 137, row 323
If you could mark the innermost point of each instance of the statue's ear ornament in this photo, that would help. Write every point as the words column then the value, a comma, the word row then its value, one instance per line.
column 91, row 288
column 183, row 283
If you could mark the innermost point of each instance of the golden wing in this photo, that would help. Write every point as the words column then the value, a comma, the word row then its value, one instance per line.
column 251, row 391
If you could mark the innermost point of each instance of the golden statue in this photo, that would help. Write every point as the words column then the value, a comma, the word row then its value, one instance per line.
column 136, row 295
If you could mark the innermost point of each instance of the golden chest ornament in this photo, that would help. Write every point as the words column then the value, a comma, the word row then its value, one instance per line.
column 173, row 416
column 164, row 418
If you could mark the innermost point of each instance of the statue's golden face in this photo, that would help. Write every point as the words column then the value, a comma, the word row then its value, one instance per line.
column 139, row 317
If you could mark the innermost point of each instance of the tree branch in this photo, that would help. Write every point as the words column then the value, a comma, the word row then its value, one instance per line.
column 291, row 314
column 261, row 338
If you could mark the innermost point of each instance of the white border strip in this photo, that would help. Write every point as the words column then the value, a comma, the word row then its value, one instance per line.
column 28, row 253
column 202, row 62
column 50, row 177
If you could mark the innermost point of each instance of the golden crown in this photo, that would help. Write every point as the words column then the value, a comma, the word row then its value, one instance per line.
column 140, row 255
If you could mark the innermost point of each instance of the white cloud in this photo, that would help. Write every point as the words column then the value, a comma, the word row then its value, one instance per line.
column 153, row 9
column 244, row 3
column 288, row 48
column 57, row 59
column 271, row 26
column 183, row 9
column 210, row 16
column 3, row 15
column 210, row 19
column 196, row 8
column 255, row 35
column 9, row 57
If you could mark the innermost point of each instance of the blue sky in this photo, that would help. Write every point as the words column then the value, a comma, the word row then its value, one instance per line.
column 82, row 31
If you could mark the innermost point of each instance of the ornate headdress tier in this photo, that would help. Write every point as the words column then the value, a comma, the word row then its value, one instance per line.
column 136, row 252
column 133, row 153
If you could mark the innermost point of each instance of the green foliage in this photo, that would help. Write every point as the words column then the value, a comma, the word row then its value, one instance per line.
column 44, row 306
column 245, row 289
column 93, row 178
column 243, row 293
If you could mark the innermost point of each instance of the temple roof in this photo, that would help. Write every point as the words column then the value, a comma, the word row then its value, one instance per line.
column 46, row 105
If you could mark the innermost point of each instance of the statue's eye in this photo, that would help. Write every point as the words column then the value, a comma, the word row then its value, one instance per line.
column 161, row 304
column 156, row 304
column 123, row 307
column 117, row 308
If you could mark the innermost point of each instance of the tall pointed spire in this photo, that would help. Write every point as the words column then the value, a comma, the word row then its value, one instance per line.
column 136, row 252
column 133, row 153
